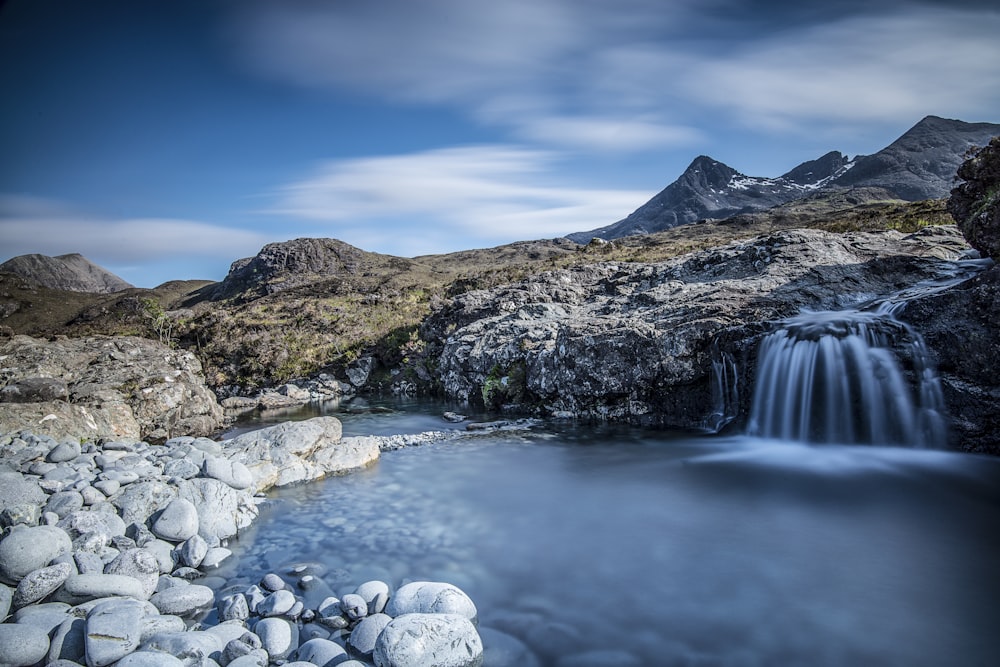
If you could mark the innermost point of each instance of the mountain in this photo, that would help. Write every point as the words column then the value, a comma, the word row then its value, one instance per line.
column 921, row 164
column 73, row 272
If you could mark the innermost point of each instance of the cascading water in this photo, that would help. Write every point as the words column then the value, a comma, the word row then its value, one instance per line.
column 834, row 377
column 853, row 377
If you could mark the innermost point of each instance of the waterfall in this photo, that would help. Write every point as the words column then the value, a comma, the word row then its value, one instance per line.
column 855, row 376
column 724, row 380
column 835, row 377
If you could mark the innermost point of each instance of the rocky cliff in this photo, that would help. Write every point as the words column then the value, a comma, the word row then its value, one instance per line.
column 637, row 342
column 74, row 273
column 921, row 164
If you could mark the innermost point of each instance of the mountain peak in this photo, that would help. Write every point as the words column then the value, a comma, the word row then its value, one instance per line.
column 920, row 164
column 72, row 272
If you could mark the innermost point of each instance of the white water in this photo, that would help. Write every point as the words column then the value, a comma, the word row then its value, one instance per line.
column 854, row 376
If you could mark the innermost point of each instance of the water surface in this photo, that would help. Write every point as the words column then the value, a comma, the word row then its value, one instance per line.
column 680, row 550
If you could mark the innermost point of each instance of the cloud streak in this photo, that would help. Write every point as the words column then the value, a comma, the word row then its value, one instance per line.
column 493, row 194
column 635, row 74
column 31, row 225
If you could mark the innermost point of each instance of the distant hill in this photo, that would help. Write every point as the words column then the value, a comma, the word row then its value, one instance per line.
column 73, row 273
column 920, row 165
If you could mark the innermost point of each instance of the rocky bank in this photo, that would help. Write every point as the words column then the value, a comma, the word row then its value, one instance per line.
column 639, row 342
column 115, row 553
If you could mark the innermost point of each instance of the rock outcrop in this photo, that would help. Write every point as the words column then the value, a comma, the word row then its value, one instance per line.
column 74, row 273
column 975, row 203
column 103, row 387
column 637, row 342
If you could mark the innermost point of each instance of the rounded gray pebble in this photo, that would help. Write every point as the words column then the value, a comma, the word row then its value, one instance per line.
column 42, row 582
column 365, row 633
column 183, row 600
column 22, row 644
column 272, row 582
column 28, row 549
column 321, row 652
column 354, row 606
column 277, row 603
column 278, row 637
column 178, row 521
column 149, row 659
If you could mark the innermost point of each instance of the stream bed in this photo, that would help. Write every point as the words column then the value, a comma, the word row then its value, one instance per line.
column 660, row 548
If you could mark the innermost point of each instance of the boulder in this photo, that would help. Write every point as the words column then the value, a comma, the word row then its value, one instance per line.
column 177, row 522
column 416, row 640
column 293, row 452
column 222, row 511
column 29, row 549
column 975, row 203
column 431, row 597
column 22, row 645
column 114, row 629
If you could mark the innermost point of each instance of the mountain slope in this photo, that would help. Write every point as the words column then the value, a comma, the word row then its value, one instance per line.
column 919, row 165
column 73, row 273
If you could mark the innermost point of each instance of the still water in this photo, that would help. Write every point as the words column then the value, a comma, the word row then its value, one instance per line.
column 668, row 549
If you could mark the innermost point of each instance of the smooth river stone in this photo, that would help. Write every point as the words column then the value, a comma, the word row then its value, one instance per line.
column 64, row 451
column 114, row 629
column 64, row 502
column 431, row 597
column 232, row 473
column 183, row 601
column 178, row 521
column 69, row 641
column 278, row 637
column 29, row 549
column 140, row 564
column 41, row 583
column 82, row 587
column 366, row 632
column 321, row 652
column 417, row 640
column 22, row 645
column 149, row 659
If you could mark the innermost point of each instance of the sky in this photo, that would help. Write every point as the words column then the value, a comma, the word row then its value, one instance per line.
column 164, row 140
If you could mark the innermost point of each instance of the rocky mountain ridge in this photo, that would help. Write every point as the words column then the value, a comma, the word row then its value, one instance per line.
column 72, row 273
column 921, row 164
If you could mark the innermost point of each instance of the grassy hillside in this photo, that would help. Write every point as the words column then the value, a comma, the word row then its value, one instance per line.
column 326, row 323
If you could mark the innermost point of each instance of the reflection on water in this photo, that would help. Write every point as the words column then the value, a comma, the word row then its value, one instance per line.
column 678, row 550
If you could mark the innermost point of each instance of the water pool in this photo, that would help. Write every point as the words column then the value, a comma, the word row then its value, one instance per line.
column 670, row 549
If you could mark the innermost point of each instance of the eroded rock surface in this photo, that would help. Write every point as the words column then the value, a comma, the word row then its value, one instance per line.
column 104, row 387
column 636, row 342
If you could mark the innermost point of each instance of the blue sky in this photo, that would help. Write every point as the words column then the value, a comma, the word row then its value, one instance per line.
column 163, row 140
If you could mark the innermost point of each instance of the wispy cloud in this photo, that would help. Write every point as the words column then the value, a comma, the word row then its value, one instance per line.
column 493, row 194
column 639, row 74
column 32, row 225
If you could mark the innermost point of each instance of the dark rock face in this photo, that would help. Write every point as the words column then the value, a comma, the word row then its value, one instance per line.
column 961, row 326
column 919, row 165
column 975, row 204
column 637, row 342
column 72, row 272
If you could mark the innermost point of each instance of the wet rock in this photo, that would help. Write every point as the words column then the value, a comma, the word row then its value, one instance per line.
column 234, row 607
column 362, row 639
column 193, row 551
column 416, row 640
column 278, row 637
column 503, row 650
column 29, row 549
column 272, row 582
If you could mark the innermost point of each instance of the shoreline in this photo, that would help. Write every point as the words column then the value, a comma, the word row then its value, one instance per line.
column 107, row 549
